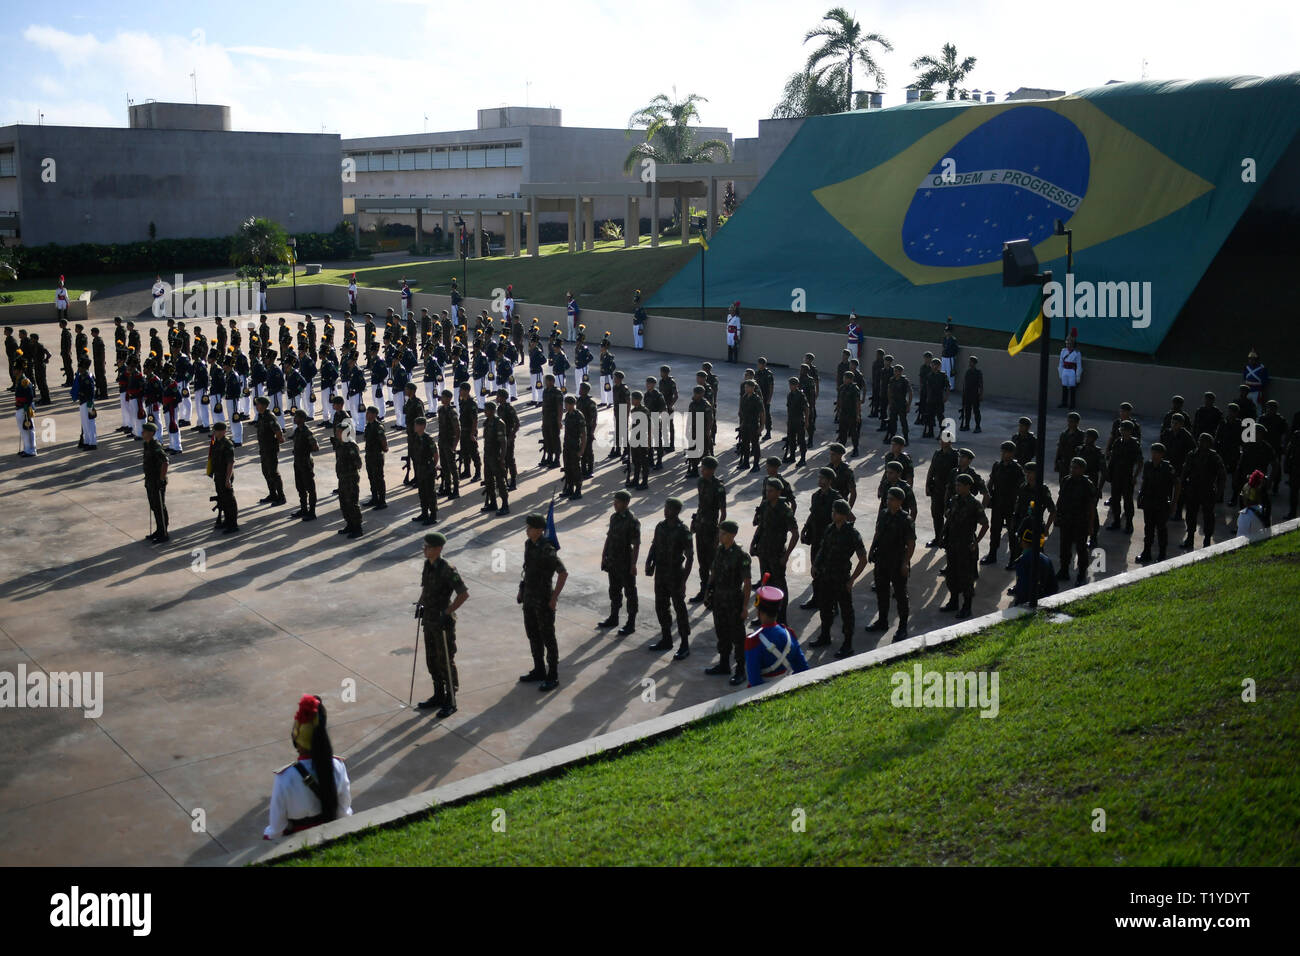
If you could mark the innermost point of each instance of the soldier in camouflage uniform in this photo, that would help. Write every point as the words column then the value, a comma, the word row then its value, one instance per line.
column 710, row 512
column 618, row 561
column 893, row 478
column 590, row 413
column 424, row 462
column 552, row 416
column 412, row 408
column 796, row 424
column 669, row 563
column 942, row 464
column 727, row 595
column 766, row 388
column 844, row 482
column 468, row 407
column 304, row 470
column 1076, row 513
column 509, row 418
column 700, row 429
column 1034, row 492
column 815, row 525
column 891, row 552
column 442, row 592
column 494, row 462
column 774, row 524
column 376, row 446
column 810, row 384
column 221, row 457
column 751, row 420
column 1005, row 479
column 347, row 466
column 155, row 482
column 1204, row 475
column 539, row 600
column 448, row 440
column 963, row 527
column 575, row 443
column 840, row 543
column 848, row 411
column 1156, row 499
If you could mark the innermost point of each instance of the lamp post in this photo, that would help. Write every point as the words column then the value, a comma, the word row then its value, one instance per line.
column 293, row 268
column 464, row 255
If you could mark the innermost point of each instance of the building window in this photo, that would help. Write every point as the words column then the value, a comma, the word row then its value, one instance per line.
column 7, row 167
column 475, row 158
column 514, row 154
column 422, row 159
column 389, row 160
column 494, row 156
column 406, row 159
column 457, row 158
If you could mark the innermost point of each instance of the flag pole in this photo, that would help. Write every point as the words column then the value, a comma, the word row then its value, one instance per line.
column 1045, row 335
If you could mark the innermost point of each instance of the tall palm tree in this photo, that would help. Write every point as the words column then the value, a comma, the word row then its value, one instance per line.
column 844, row 43
column 944, row 70
column 259, row 243
column 806, row 95
column 669, row 137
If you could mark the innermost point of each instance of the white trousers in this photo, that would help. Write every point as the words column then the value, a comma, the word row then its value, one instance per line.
column 88, row 433
column 946, row 363
column 537, row 387
column 122, row 403
column 638, row 336
column 205, row 411
column 572, row 336
column 606, row 390
column 26, row 439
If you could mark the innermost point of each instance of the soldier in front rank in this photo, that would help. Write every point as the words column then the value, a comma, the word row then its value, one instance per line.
column 424, row 461
column 815, row 525
column 376, row 447
column 897, row 454
column 700, row 435
column 448, row 441
column 669, row 563
column 1004, row 483
column 618, row 561
column 155, row 483
column 1032, row 496
column 552, row 416
column 304, row 470
column 541, row 564
column 347, row 466
column 1124, row 466
column 269, row 439
column 509, row 419
column 221, row 466
column 893, row 478
column 412, row 408
column 1204, row 476
column 590, row 412
column 942, row 464
column 774, row 524
column 711, row 511
column 834, row 584
column 773, row 467
column 1076, row 514
column 848, row 409
column 844, row 482
column 638, row 440
column 727, row 596
column 796, row 424
column 891, row 552
column 442, row 592
column 1068, row 444
column 766, row 388
column 494, row 462
column 751, row 417
column 468, row 435
column 963, row 527
column 1156, row 499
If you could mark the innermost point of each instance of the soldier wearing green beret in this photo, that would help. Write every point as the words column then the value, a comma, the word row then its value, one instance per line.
column 221, row 466
column 496, row 496
column 269, row 439
column 844, row 482
column 893, row 478
column 424, row 460
column 1033, row 496
column 942, row 463
column 796, row 424
column 963, row 527
column 575, row 443
column 710, row 511
column 155, row 482
column 347, row 466
column 541, row 565
column 669, row 563
column 448, row 440
column 1076, row 510
column 892, row 548
column 727, row 594
column 774, row 525
column 618, row 560
column 442, row 592
column 815, row 525
column 840, row 542
column 1005, row 479
column 304, row 470
column 1157, row 498
column 751, row 422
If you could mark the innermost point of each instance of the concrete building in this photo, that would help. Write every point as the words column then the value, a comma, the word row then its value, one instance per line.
column 178, row 166
column 511, row 146
column 762, row 151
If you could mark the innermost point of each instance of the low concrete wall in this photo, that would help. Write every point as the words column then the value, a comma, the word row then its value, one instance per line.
column 1105, row 384
column 42, row 312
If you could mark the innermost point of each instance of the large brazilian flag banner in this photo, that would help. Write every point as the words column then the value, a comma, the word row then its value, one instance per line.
column 902, row 212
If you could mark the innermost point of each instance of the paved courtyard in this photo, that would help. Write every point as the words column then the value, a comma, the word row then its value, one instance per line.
column 205, row 643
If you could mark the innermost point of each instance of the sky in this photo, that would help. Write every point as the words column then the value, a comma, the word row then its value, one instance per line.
column 387, row 67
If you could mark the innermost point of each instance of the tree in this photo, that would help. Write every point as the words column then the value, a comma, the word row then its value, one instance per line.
column 943, row 70
column 807, row 95
column 259, row 244
column 844, row 43
column 669, row 137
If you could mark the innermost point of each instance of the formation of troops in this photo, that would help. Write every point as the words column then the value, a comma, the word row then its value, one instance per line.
column 448, row 384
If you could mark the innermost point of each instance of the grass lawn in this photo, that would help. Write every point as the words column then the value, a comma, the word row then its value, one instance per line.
column 1128, row 707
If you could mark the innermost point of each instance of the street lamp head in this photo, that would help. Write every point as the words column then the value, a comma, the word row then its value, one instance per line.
column 1060, row 227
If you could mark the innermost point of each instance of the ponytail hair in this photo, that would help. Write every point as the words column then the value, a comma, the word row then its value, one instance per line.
column 322, row 763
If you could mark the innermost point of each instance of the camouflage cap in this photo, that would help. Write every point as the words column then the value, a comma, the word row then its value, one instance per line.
column 730, row 526
column 1008, row 445
column 535, row 520
column 835, row 447
column 896, row 493
column 435, row 539
column 622, row 495
column 826, row 473
column 708, row 461
column 841, row 507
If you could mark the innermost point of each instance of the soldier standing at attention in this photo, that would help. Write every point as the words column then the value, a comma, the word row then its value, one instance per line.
column 638, row 450
column 618, row 561
column 468, row 435
column 668, row 388
column 590, row 412
column 896, row 453
column 269, row 440
column 155, row 483
column 811, row 384
column 575, row 443
column 1204, row 476
column 1158, row 495
column 509, row 419
column 1004, row 483
column 766, row 388
column 448, row 440
column 424, row 461
column 442, row 592
column 961, row 541
column 700, row 431
column 552, row 416
column 844, row 482
column 899, row 393
column 376, row 446
column 221, row 466
column 622, row 401
column 815, row 525
column 1124, row 466
column 727, row 595
column 541, row 563
column 494, row 462
column 654, row 403
column 412, row 408
column 1076, row 513
column 1026, row 441
column 833, row 582
column 669, row 563
column 751, row 417
column 942, row 463
column 796, row 424
column 891, row 551
column 347, row 466
column 1032, row 496
column 1068, row 444
column 774, row 522
column 304, row 470
column 711, row 510
column 972, row 393
column 848, row 404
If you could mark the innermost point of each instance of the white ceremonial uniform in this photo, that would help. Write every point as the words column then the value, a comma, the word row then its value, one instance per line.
column 160, row 292
column 292, row 799
column 26, row 437
column 61, row 302
column 88, row 433
column 1070, row 367
column 733, row 330
column 205, row 411
column 352, row 296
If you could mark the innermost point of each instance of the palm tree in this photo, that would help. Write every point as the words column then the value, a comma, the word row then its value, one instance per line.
column 945, row 70
column 844, row 43
column 259, row 243
column 806, row 95
column 669, row 137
